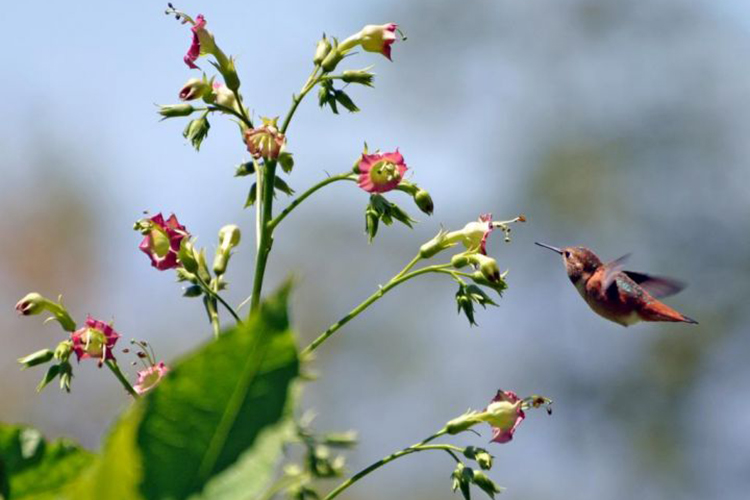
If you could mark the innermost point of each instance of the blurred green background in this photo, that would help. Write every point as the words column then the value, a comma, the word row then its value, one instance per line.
column 618, row 125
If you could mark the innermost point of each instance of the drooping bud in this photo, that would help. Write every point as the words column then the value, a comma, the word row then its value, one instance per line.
column 176, row 110
column 197, row 130
column 488, row 267
column 265, row 141
column 480, row 455
column 424, row 201
column 321, row 50
column 63, row 350
column 229, row 237
column 32, row 304
column 195, row 88
column 486, row 484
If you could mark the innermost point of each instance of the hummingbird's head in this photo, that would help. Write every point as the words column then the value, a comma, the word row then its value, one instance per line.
column 580, row 262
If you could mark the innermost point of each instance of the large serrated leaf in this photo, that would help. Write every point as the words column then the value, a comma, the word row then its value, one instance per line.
column 215, row 425
column 31, row 468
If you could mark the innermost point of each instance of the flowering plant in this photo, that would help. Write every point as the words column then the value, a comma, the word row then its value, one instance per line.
column 214, row 423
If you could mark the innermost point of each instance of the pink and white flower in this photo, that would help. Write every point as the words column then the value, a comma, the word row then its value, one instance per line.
column 95, row 340
column 381, row 172
column 504, row 414
column 150, row 377
column 372, row 38
column 162, row 240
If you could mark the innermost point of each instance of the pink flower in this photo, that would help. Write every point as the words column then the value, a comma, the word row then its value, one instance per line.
column 381, row 172
column 162, row 240
column 485, row 218
column 379, row 38
column 150, row 377
column 203, row 41
column 504, row 414
column 95, row 340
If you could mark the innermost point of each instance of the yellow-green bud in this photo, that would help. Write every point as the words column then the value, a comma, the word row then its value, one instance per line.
column 321, row 50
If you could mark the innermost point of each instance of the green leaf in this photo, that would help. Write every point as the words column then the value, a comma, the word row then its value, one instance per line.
column 286, row 160
column 252, row 195
column 280, row 185
column 214, row 426
column 31, row 468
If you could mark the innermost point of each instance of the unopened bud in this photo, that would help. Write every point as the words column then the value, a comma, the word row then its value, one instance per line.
column 460, row 260
column 176, row 110
column 321, row 50
column 196, row 131
column 229, row 237
column 229, row 73
column 31, row 305
column 360, row 76
column 424, row 201
column 486, row 484
column 63, row 350
column 195, row 88
column 36, row 358
column 331, row 60
column 186, row 256
column 435, row 245
column 488, row 267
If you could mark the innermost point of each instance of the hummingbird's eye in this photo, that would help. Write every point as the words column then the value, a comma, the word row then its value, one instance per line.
column 567, row 254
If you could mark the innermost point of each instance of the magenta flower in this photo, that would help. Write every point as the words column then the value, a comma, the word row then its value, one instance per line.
column 381, row 172
column 150, row 377
column 504, row 414
column 203, row 41
column 95, row 340
column 162, row 240
column 485, row 218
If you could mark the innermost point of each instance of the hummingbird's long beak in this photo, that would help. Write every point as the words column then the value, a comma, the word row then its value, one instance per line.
column 554, row 249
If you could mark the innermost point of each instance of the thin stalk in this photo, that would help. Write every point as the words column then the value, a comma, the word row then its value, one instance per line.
column 233, row 112
column 394, row 282
column 265, row 239
column 243, row 112
column 390, row 458
column 112, row 365
column 349, row 176
column 213, row 314
column 312, row 80
column 215, row 295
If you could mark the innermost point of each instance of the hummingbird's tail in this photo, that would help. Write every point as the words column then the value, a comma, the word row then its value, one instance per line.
column 659, row 311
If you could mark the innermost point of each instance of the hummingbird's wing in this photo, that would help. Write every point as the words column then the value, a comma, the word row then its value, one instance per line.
column 657, row 286
column 611, row 269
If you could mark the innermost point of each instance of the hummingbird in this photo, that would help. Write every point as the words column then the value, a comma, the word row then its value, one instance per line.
column 625, row 297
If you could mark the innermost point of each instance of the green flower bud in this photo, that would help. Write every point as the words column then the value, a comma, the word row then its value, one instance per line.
column 360, row 76
column 435, row 245
column 488, row 267
column 176, row 110
column 229, row 72
column 486, row 484
column 196, row 131
column 460, row 260
column 332, row 59
column 424, row 201
column 36, row 358
column 229, row 237
column 32, row 304
column 321, row 50
column 63, row 350
column 186, row 256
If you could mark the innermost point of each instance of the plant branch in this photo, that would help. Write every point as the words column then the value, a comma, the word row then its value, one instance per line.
column 349, row 176
column 390, row 458
column 312, row 80
column 215, row 294
column 394, row 282
column 112, row 365
column 265, row 239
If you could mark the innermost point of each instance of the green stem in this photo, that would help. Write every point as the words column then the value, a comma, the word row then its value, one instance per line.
column 234, row 112
column 265, row 239
column 312, row 80
column 215, row 294
column 213, row 314
column 349, row 176
column 243, row 111
column 112, row 365
column 394, row 282
column 390, row 458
